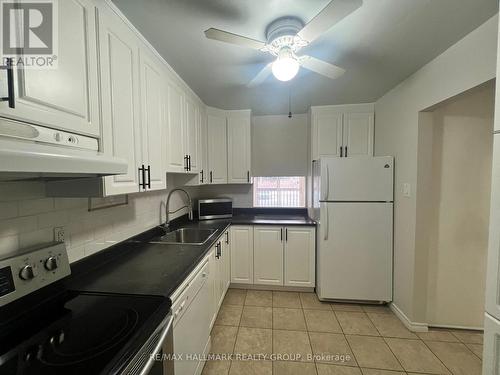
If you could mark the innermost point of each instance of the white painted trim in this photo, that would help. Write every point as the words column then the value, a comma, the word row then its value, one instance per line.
column 272, row 287
column 456, row 327
column 176, row 76
column 351, row 108
column 412, row 326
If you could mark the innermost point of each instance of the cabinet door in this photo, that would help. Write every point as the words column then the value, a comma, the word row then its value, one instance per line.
column 241, row 254
column 220, row 274
column 212, row 283
column 358, row 134
column 119, row 68
column 226, row 246
column 193, row 134
column 299, row 256
column 238, row 149
column 65, row 97
column 203, row 178
column 268, row 255
column 153, row 120
column 217, row 149
column 327, row 133
column 175, row 129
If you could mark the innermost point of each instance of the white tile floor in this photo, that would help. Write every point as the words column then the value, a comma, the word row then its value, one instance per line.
column 317, row 338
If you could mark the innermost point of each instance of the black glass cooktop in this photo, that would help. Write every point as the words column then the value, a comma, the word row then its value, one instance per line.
column 76, row 333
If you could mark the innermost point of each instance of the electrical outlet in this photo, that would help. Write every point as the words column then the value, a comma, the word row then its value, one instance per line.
column 59, row 234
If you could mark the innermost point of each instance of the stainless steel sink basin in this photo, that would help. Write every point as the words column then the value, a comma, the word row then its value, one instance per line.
column 186, row 236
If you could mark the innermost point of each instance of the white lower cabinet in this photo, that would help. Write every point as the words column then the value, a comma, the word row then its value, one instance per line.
column 268, row 255
column 273, row 255
column 241, row 254
column 299, row 256
column 220, row 274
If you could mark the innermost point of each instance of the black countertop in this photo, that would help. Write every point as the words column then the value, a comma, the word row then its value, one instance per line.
column 138, row 267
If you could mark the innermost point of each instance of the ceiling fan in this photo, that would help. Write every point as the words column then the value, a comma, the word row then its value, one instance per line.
column 286, row 36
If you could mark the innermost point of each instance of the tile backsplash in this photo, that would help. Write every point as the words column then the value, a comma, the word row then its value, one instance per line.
column 28, row 217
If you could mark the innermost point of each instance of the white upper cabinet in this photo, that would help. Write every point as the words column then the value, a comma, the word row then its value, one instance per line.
column 342, row 131
column 327, row 133
column 299, row 256
column 153, row 120
column 119, row 55
column 358, row 134
column 67, row 97
column 176, row 157
column 217, row 146
column 203, row 174
column 268, row 255
column 192, row 137
column 239, row 147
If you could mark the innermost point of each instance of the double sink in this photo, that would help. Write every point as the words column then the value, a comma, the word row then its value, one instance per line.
column 185, row 236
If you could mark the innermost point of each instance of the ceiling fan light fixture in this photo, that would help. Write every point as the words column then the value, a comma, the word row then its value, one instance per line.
column 286, row 65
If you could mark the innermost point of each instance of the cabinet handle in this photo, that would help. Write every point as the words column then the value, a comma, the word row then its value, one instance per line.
column 286, row 234
column 11, row 98
column 189, row 162
column 281, row 234
column 218, row 250
column 201, row 173
column 248, row 176
column 345, row 151
column 227, row 238
column 142, row 172
column 341, row 151
column 149, row 176
column 211, row 179
column 186, row 163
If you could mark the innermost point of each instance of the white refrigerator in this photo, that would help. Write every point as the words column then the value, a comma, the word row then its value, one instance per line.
column 353, row 204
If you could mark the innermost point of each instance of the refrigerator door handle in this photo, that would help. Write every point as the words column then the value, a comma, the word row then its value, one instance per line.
column 327, row 223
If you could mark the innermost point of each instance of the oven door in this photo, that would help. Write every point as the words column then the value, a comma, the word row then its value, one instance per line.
column 155, row 356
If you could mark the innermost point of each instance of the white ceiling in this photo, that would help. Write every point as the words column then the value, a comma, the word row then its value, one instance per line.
column 379, row 45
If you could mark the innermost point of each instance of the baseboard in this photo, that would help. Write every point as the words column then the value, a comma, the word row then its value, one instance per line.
column 272, row 287
column 412, row 326
column 469, row 328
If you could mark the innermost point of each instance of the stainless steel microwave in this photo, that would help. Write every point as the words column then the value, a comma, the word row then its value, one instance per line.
column 209, row 209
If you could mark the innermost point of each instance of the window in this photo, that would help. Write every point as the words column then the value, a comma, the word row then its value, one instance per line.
column 279, row 192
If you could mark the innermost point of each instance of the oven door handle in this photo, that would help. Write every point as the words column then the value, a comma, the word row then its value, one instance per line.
column 149, row 364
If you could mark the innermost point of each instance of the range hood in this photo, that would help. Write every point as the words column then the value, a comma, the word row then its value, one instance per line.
column 34, row 152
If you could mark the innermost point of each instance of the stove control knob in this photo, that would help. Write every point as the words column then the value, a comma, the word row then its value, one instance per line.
column 27, row 272
column 51, row 263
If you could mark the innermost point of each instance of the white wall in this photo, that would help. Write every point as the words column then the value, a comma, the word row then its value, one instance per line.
column 461, row 145
column 468, row 63
column 28, row 217
column 279, row 145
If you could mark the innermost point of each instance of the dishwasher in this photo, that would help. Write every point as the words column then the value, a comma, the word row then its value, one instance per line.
column 192, row 323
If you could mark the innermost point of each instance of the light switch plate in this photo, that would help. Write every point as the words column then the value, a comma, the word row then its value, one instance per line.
column 406, row 190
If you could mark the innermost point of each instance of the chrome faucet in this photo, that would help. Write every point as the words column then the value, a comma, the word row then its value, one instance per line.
column 189, row 206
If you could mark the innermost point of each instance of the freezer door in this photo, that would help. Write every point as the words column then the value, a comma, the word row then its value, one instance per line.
column 357, row 179
column 355, row 251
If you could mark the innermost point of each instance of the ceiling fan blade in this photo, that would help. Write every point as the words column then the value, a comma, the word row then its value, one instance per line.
column 262, row 76
column 334, row 12
column 231, row 38
column 321, row 67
